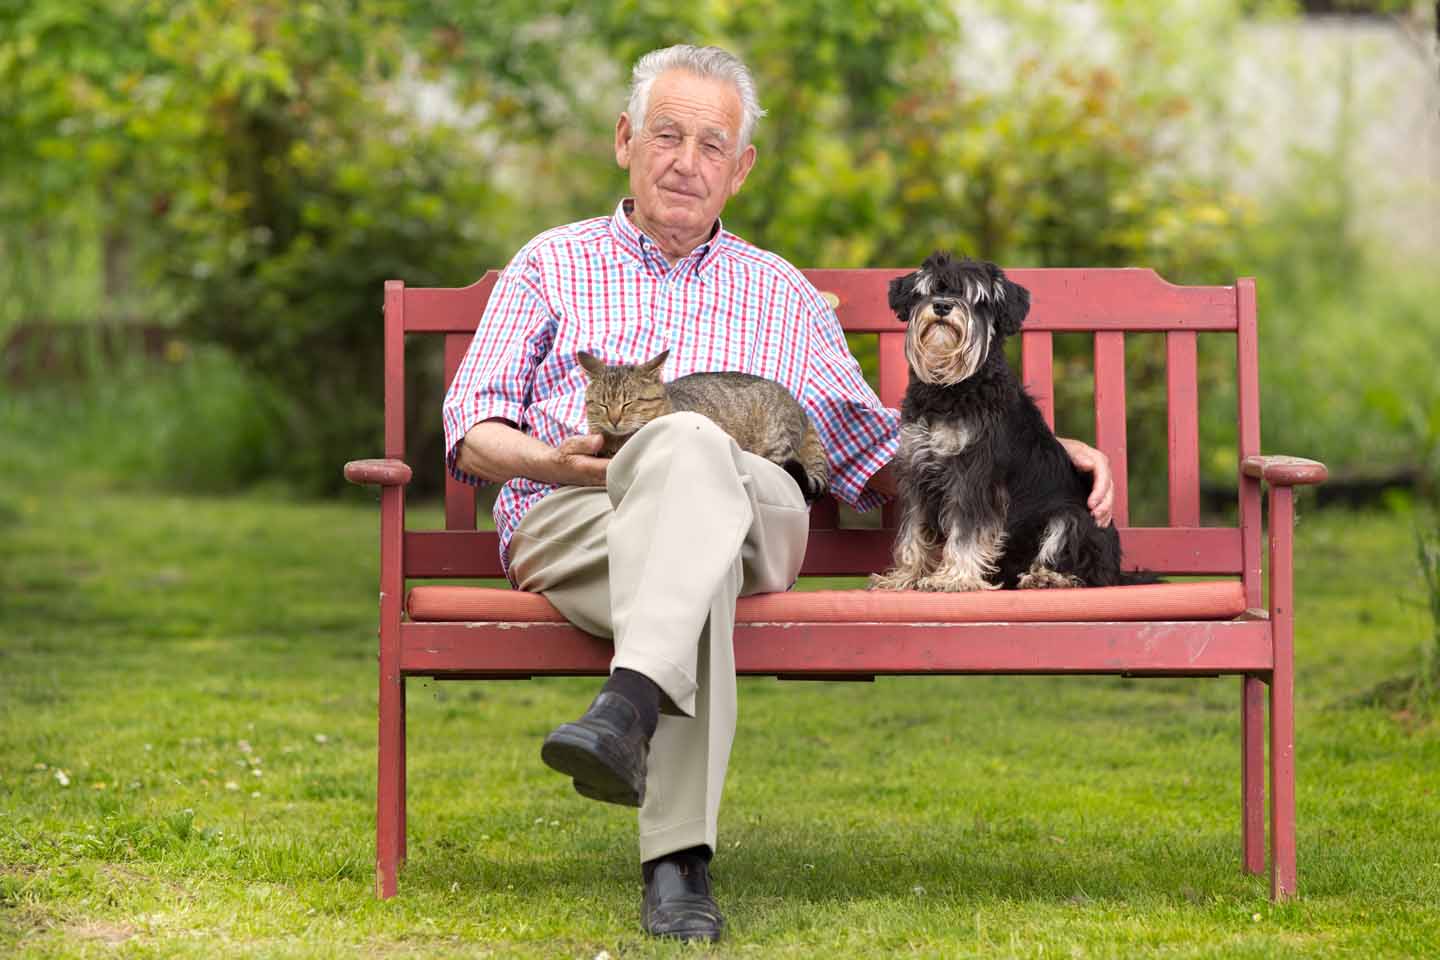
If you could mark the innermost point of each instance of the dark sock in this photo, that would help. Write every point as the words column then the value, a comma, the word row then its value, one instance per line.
column 699, row 856
column 641, row 691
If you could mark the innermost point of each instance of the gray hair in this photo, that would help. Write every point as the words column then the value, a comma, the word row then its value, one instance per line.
column 709, row 62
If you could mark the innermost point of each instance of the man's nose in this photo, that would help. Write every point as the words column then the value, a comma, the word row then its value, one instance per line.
column 940, row 308
column 688, row 153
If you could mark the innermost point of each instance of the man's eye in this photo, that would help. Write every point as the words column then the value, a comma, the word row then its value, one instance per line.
column 713, row 150
column 667, row 139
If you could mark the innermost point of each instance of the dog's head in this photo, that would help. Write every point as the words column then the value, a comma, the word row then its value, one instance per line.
column 959, row 311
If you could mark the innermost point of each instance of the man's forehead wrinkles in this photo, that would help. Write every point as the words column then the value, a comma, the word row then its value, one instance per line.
column 698, row 113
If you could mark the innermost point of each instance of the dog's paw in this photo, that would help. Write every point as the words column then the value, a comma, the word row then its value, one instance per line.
column 942, row 583
column 891, row 580
column 1043, row 578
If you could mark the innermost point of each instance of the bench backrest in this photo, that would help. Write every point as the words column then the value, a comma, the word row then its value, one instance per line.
column 1105, row 303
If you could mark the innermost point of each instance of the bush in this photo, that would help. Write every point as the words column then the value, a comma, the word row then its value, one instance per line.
column 195, row 420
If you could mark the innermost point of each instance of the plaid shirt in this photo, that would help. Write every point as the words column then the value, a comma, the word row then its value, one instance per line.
column 602, row 286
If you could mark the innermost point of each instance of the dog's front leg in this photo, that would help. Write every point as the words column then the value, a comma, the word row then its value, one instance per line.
column 971, row 553
column 916, row 551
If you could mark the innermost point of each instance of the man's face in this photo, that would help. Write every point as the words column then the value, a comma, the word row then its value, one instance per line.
column 687, row 160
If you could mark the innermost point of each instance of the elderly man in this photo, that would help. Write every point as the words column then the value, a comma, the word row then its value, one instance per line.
column 652, row 548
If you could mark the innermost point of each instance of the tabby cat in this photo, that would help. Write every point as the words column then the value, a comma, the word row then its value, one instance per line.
column 764, row 418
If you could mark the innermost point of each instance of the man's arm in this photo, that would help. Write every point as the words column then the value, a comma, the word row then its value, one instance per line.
column 1102, row 491
column 1085, row 457
column 493, row 450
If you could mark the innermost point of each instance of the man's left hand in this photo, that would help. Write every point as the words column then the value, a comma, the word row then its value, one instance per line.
column 1102, row 492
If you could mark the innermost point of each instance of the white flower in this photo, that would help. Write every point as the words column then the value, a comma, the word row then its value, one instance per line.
column 231, row 785
column 62, row 777
column 321, row 738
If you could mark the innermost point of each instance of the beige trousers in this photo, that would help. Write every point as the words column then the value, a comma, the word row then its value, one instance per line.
column 687, row 522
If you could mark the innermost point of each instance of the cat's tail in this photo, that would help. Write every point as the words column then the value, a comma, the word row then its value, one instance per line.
column 810, row 468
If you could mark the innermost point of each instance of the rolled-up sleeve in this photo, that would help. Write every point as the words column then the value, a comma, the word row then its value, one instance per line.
column 860, row 434
column 496, row 378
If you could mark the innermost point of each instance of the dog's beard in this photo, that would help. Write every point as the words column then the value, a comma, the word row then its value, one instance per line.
column 940, row 352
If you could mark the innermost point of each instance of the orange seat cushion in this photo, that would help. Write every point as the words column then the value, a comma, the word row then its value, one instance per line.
column 1192, row 600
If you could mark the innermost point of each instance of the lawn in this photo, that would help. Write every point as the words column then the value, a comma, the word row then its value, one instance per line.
column 187, row 724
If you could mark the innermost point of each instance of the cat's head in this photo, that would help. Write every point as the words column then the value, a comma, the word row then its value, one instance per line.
column 622, row 397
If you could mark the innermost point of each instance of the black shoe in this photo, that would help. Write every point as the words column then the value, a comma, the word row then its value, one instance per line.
column 604, row 751
column 678, row 903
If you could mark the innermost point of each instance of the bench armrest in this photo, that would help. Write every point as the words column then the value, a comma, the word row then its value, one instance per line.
column 1284, row 471
column 382, row 473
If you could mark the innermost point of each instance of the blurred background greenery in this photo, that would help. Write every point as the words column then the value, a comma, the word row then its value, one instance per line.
column 200, row 199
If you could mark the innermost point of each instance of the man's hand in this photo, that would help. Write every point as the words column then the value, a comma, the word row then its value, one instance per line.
column 1102, row 492
column 575, row 463
column 494, row 450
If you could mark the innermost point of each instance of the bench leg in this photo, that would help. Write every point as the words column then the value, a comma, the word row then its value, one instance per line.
column 404, row 712
column 1252, row 775
column 390, row 786
column 1282, row 697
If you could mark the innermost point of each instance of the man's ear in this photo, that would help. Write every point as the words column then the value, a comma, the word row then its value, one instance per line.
column 624, row 137
column 902, row 295
column 743, row 168
column 1015, row 309
column 592, row 364
column 654, row 363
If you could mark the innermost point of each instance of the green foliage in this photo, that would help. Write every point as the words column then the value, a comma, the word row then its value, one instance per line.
column 251, row 172
column 1427, row 549
column 194, row 420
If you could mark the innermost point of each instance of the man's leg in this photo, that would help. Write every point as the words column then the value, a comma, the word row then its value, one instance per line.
column 688, row 521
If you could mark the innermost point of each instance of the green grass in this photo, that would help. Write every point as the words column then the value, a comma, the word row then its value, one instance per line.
column 202, row 672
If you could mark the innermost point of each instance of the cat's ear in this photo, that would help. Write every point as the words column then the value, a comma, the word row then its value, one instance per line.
column 591, row 363
column 654, row 363
column 902, row 295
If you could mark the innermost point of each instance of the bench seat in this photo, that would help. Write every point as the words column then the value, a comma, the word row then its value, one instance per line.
column 1193, row 600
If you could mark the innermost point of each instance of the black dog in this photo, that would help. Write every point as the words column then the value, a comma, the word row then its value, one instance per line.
column 989, row 497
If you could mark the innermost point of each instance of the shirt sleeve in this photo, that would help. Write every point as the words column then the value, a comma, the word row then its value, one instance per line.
column 860, row 434
column 497, row 375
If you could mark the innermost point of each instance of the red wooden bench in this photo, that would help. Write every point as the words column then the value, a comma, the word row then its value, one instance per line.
column 1201, row 627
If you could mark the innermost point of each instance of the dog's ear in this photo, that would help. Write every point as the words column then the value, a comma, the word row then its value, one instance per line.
column 1015, row 308
column 902, row 295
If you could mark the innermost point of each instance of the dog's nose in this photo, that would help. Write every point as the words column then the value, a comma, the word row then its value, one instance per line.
column 941, row 308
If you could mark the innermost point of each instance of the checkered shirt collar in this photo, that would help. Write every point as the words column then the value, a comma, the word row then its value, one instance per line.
column 632, row 241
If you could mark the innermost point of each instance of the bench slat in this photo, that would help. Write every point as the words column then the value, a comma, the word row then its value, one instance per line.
column 1110, row 416
column 1247, row 365
column 1075, row 300
column 459, row 497
column 1182, row 403
column 558, row 649
column 841, row 553
column 1037, row 371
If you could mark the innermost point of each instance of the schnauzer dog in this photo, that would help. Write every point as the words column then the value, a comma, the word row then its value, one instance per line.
column 989, row 497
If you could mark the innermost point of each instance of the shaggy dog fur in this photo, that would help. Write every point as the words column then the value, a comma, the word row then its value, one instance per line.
column 989, row 497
